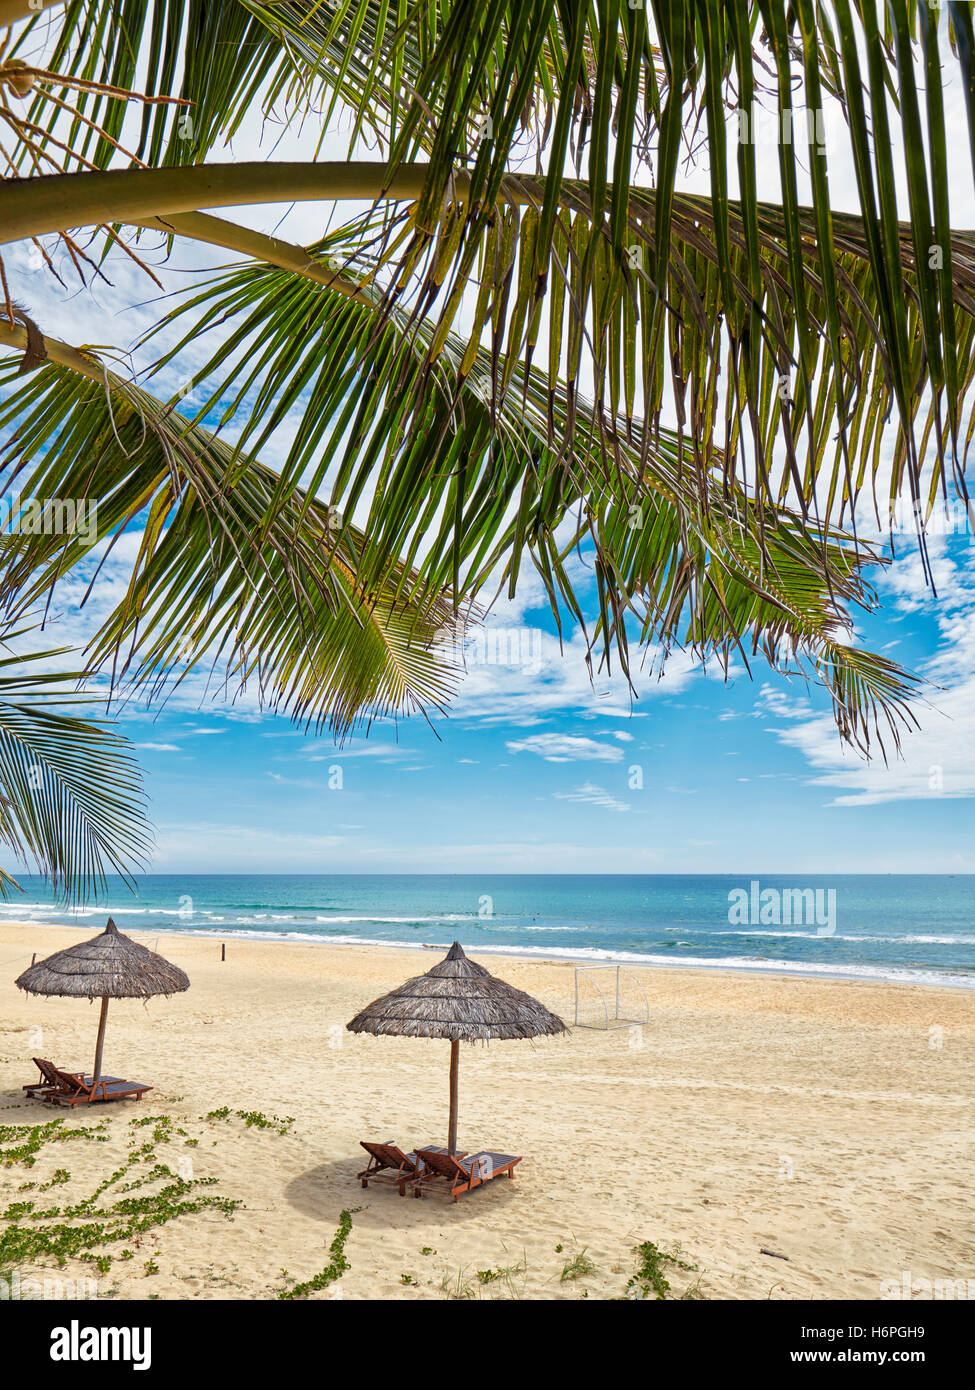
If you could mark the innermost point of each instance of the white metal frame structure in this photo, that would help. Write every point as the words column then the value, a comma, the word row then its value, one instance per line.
column 617, row 1021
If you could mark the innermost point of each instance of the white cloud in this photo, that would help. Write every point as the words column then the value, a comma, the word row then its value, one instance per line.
column 526, row 677
column 937, row 760
column 160, row 747
column 566, row 748
column 313, row 752
column 593, row 795
column 525, row 856
column 247, row 849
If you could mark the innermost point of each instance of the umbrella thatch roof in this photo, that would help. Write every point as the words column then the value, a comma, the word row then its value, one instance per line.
column 110, row 964
column 459, row 1000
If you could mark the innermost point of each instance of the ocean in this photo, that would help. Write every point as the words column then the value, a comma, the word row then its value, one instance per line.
column 918, row 928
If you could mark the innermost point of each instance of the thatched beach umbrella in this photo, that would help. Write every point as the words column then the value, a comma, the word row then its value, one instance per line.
column 109, row 966
column 461, row 1001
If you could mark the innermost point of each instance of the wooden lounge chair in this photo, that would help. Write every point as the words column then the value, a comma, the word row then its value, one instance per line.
column 389, row 1165
column 51, row 1079
column 48, row 1078
column 76, row 1089
column 464, row 1173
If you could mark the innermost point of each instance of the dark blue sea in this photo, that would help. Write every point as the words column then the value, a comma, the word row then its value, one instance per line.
column 908, row 928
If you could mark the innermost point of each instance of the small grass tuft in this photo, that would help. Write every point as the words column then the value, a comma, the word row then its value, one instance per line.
column 578, row 1267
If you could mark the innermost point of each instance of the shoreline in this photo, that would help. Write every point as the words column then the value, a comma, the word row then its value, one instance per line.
column 899, row 976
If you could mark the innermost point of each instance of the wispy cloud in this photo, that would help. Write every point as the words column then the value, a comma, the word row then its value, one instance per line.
column 937, row 760
column 316, row 753
column 566, row 748
column 244, row 848
column 556, row 681
column 593, row 796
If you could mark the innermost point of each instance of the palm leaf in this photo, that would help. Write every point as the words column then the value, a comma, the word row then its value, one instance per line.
column 71, row 800
column 708, row 551
column 844, row 416
column 784, row 337
column 225, row 571
column 217, row 58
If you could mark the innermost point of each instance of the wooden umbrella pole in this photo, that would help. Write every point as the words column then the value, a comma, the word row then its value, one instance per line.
column 454, row 1068
column 99, row 1045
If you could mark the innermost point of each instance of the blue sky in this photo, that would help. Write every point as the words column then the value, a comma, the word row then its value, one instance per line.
column 532, row 772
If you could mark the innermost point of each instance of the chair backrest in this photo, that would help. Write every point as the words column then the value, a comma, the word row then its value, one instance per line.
column 48, row 1070
column 388, row 1154
column 68, row 1083
column 444, row 1164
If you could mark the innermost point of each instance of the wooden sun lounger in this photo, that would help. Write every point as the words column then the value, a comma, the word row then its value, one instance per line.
column 389, row 1165
column 76, row 1089
column 52, row 1079
column 463, row 1172
column 48, row 1079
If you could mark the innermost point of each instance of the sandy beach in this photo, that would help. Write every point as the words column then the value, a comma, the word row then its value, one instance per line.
column 831, row 1123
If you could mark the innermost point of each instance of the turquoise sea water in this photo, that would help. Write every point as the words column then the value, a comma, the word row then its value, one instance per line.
column 909, row 928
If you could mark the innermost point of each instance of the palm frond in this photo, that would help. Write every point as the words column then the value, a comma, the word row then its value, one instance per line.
column 777, row 312
column 466, row 509
column 216, row 58
column 773, row 405
column 783, row 338
column 225, row 571
column 71, row 798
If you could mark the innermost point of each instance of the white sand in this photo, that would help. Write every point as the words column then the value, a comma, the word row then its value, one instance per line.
column 830, row 1122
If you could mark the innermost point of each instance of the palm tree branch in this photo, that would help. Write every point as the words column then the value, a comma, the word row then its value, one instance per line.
column 72, row 800
column 780, row 612
column 224, row 567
